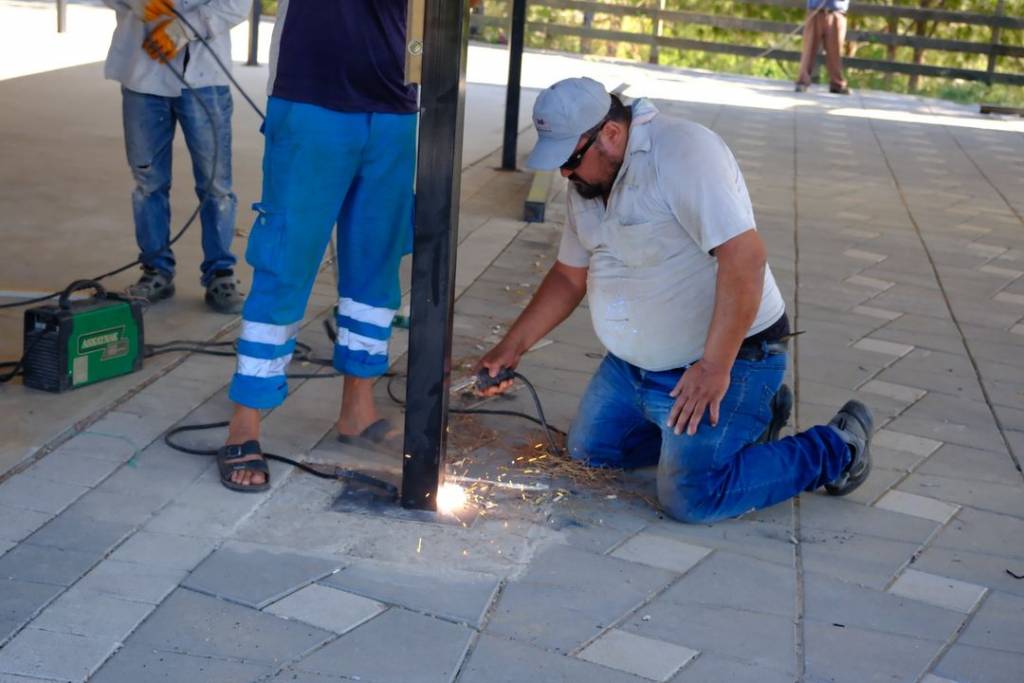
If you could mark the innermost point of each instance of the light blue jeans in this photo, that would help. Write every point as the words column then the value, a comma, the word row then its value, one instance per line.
column 719, row 472
column 149, row 125
column 325, row 171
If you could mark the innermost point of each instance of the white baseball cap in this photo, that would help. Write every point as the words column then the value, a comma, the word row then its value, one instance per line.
column 561, row 114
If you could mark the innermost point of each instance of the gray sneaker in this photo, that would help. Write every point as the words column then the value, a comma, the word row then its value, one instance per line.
column 222, row 293
column 854, row 424
column 153, row 286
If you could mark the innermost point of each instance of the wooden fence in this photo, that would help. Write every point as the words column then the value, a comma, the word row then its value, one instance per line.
column 661, row 21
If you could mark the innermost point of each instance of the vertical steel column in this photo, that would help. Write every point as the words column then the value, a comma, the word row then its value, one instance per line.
column 515, row 70
column 62, row 15
column 438, row 176
column 254, row 33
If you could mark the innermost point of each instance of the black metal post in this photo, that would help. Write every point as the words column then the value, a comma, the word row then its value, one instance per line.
column 254, row 33
column 515, row 71
column 438, row 175
column 62, row 15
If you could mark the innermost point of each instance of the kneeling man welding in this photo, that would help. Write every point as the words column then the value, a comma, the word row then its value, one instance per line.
column 661, row 236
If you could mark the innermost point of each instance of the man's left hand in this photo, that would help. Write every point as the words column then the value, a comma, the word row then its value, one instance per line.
column 702, row 387
column 164, row 42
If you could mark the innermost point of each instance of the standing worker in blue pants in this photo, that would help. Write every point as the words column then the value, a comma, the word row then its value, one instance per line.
column 154, row 102
column 340, row 150
column 661, row 238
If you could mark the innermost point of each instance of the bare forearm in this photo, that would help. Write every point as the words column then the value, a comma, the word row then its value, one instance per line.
column 738, row 290
column 558, row 295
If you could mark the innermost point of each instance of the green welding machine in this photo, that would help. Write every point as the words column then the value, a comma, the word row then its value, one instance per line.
column 75, row 343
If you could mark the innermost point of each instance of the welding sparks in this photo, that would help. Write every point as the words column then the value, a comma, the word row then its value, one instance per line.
column 451, row 498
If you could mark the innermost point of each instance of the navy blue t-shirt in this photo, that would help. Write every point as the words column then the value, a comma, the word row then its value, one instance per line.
column 347, row 55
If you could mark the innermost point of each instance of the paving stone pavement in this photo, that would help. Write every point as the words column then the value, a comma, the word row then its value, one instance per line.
column 894, row 228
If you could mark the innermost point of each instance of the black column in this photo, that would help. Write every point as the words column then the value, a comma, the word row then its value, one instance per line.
column 438, row 175
column 515, row 70
column 254, row 33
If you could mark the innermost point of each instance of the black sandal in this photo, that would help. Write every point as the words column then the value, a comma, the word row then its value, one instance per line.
column 226, row 468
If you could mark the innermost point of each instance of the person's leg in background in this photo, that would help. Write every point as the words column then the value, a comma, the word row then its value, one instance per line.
column 217, row 201
column 718, row 473
column 835, row 38
column 310, row 160
column 610, row 428
column 374, row 232
column 811, row 44
column 149, row 122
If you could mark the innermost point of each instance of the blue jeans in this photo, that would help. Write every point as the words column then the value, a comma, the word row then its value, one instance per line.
column 719, row 472
column 149, row 124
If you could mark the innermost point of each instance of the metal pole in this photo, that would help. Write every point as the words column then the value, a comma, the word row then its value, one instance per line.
column 62, row 15
column 515, row 71
column 992, row 56
column 254, row 33
column 435, row 240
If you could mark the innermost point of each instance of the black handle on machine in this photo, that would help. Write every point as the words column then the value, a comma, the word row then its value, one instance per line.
column 65, row 296
column 485, row 381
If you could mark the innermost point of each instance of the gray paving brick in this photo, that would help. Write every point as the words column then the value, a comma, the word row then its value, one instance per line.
column 20, row 522
column 137, row 662
column 131, row 581
column 431, row 650
column 163, row 550
column 331, row 609
column 567, row 597
column 1006, row 499
column 461, row 596
column 13, row 678
column 828, row 601
column 822, row 513
column 32, row 653
column 661, row 552
column 711, row 668
column 751, row 536
column 112, row 447
column 116, row 506
column 755, row 637
column 89, row 613
column 69, row 467
column 196, row 624
column 856, row 655
column 40, row 495
column 20, row 601
column 736, row 581
column 984, row 532
column 46, row 565
column 959, row 462
column 997, row 624
column 495, row 660
column 74, row 531
column 645, row 657
column 855, row 558
column 967, row 663
column 257, row 577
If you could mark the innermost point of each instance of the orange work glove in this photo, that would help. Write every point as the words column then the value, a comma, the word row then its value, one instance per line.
column 148, row 10
column 165, row 41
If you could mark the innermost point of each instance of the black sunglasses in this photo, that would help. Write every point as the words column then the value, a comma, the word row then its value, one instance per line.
column 577, row 157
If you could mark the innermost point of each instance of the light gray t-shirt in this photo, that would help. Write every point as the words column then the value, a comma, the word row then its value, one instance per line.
column 651, row 280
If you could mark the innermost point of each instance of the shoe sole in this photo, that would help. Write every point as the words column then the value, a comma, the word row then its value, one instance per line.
column 164, row 294
column 235, row 308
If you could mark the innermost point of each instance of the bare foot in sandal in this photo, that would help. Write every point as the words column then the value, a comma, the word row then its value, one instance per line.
column 244, row 429
column 359, row 423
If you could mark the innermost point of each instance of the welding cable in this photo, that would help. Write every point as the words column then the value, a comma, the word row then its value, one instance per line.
column 188, row 223
column 338, row 473
column 540, row 418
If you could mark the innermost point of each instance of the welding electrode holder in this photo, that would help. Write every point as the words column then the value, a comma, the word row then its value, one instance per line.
column 484, row 380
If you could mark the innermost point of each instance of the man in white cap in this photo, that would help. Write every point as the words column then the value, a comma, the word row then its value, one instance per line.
column 661, row 237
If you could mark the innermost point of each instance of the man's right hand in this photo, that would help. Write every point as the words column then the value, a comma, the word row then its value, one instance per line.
column 504, row 355
column 149, row 10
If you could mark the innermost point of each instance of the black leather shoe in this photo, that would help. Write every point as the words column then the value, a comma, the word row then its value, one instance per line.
column 839, row 89
column 782, row 408
column 855, row 424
